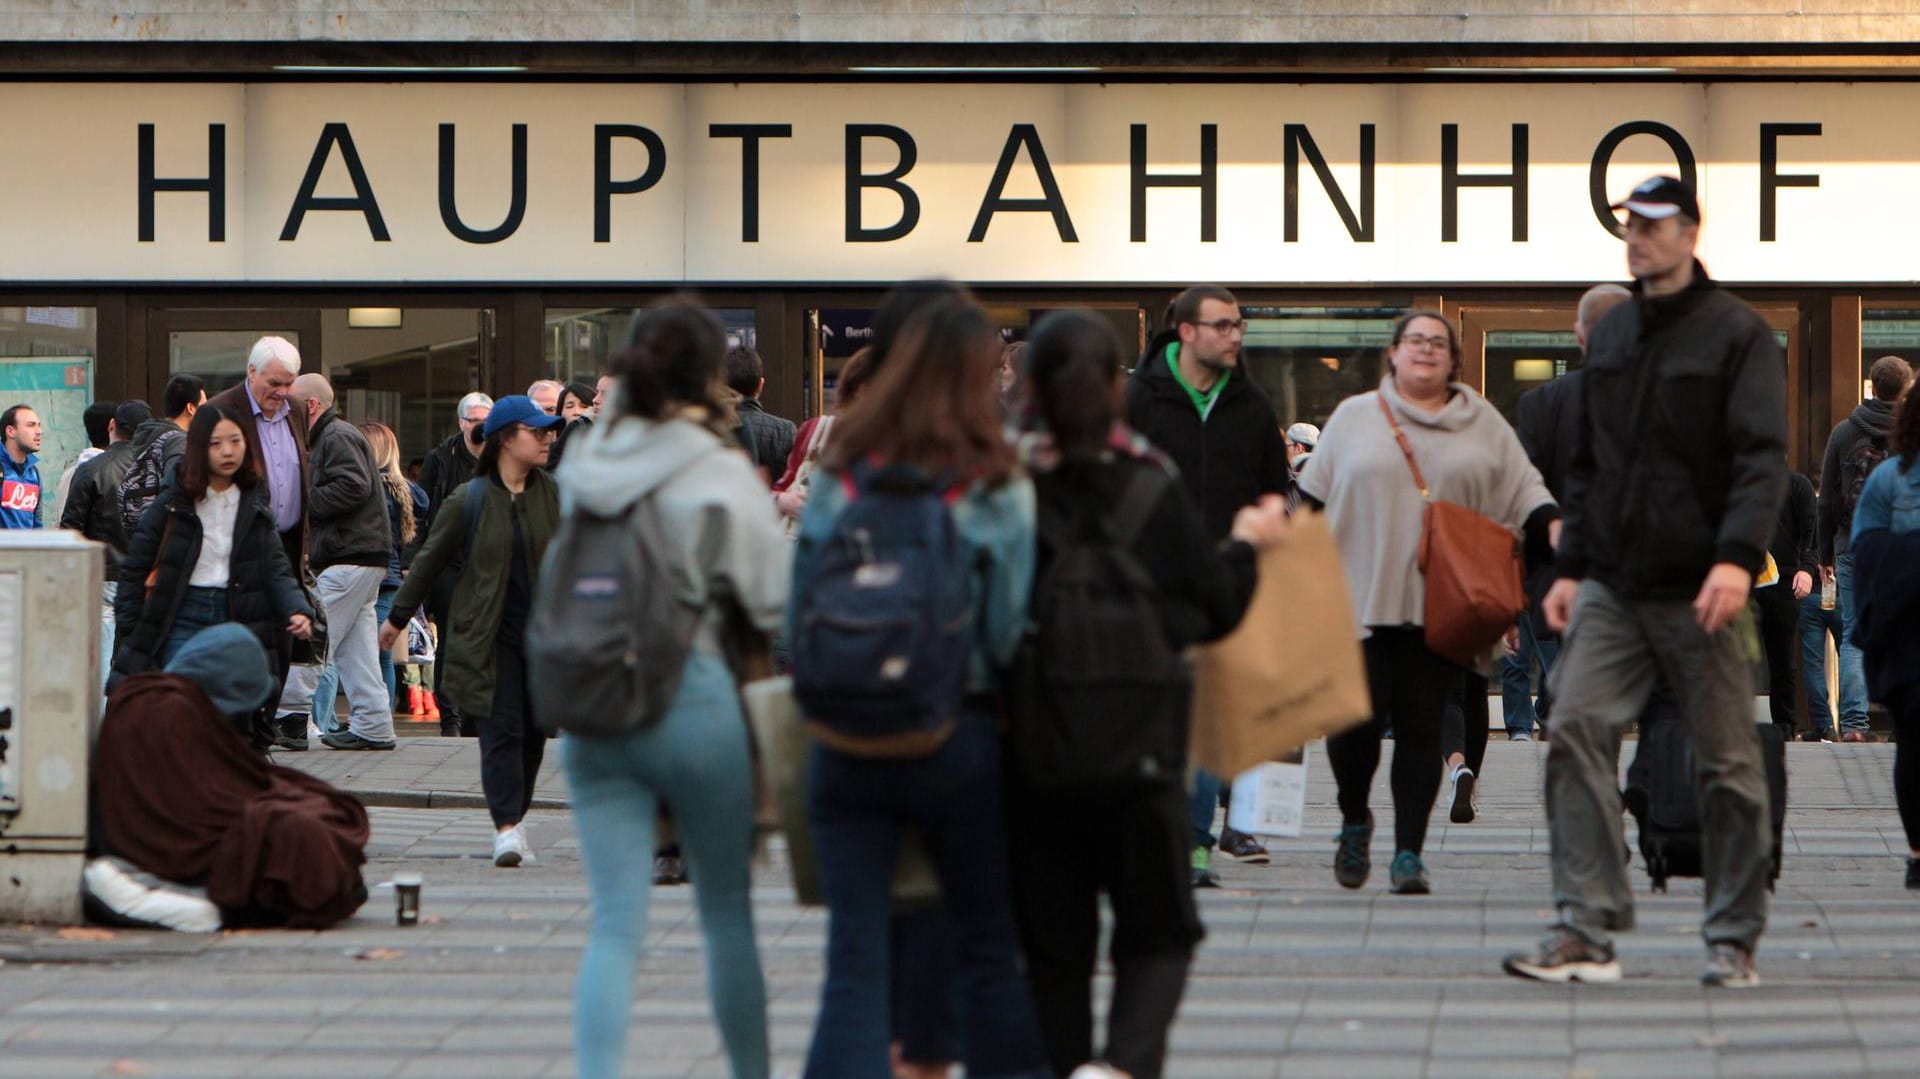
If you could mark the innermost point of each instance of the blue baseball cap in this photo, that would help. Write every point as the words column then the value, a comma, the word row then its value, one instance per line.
column 517, row 409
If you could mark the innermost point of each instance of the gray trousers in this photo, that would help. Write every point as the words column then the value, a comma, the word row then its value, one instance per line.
column 348, row 594
column 1601, row 682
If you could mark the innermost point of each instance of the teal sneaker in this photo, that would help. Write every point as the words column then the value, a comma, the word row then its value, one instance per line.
column 1409, row 875
column 1353, row 859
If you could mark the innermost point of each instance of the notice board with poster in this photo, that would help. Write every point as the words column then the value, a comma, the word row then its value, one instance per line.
column 58, row 389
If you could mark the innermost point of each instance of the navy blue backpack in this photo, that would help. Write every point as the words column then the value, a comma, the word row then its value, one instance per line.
column 884, row 628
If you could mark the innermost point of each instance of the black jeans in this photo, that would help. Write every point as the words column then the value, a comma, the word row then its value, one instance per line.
column 1411, row 687
column 511, row 747
column 1780, row 637
column 1904, row 703
column 1464, row 727
column 1133, row 848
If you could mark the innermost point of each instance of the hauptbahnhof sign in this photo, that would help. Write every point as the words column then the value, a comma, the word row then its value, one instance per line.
column 772, row 183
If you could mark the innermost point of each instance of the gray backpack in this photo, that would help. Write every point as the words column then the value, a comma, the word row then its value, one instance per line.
column 609, row 632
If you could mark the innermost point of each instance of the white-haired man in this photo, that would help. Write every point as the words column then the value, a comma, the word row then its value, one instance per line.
column 546, row 394
column 276, row 435
column 449, row 466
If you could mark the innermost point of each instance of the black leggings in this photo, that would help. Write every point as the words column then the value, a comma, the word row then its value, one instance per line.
column 1905, row 705
column 1411, row 686
column 511, row 746
column 1464, row 727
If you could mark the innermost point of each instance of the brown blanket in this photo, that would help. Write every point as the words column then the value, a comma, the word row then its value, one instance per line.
column 176, row 792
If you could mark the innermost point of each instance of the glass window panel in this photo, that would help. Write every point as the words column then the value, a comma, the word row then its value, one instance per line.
column 1521, row 360
column 581, row 342
column 409, row 376
column 1887, row 331
column 47, row 363
column 218, row 356
column 1309, row 359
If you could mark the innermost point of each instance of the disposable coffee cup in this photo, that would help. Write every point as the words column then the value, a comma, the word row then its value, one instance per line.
column 406, row 898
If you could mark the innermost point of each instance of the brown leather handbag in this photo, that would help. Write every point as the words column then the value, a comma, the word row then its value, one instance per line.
column 1472, row 566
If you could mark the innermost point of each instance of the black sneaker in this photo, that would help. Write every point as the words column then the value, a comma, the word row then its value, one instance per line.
column 1729, row 966
column 349, row 740
column 1460, row 808
column 449, row 725
column 290, row 733
column 1563, row 956
column 1913, row 874
column 1352, row 859
column 1243, row 848
column 669, row 870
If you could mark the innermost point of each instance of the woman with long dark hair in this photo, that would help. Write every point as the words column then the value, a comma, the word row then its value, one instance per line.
column 1131, row 843
column 1885, row 544
column 662, row 440
column 496, row 529
column 1362, row 475
column 931, row 408
column 206, row 552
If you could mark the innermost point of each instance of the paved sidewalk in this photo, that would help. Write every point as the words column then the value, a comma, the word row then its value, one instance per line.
column 421, row 773
column 1298, row 978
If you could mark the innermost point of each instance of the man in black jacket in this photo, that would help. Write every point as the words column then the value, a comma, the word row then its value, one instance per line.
column 1676, row 484
column 348, row 543
column 447, row 469
column 92, row 508
column 1856, row 446
column 1190, row 399
column 769, row 437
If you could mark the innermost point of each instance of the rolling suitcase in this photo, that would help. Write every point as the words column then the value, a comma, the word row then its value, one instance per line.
column 1663, row 798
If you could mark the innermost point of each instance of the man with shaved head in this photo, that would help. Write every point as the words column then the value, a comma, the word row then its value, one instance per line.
column 348, row 547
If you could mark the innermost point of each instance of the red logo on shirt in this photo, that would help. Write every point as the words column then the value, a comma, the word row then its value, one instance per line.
column 17, row 495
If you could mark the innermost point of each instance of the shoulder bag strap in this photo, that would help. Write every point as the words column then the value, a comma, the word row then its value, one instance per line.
column 1137, row 503
column 1406, row 449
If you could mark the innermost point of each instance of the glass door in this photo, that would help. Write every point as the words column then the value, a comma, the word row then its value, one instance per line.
column 214, row 342
column 1508, row 349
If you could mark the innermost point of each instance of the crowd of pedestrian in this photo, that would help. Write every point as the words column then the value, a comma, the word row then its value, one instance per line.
column 979, row 571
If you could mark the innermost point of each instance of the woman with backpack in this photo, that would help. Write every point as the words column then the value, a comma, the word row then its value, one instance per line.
column 206, row 551
column 663, row 466
column 919, row 513
column 490, row 536
column 1885, row 546
column 1363, row 474
column 1099, row 707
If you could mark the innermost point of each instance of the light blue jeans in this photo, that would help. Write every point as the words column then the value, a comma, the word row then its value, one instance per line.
column 697, row 761
column 1853, row 666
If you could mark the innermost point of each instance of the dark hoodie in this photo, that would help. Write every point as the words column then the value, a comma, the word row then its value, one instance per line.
column 1229, row 459
column 1873, row 419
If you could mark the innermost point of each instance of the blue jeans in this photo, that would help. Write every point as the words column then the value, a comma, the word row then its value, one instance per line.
column 1853, row 668
column 1206, row 799
column 328, row 691
column 697, row 761
column 1816, row 623
column 953, row 799
column 199, row 608
column 1516, row 678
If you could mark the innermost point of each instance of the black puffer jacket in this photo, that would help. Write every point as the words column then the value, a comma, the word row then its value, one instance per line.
column 347, row 507
column 1227, row 460
column 93, row 500
column 261, row 591
column 1682, row 453
column 448, row 467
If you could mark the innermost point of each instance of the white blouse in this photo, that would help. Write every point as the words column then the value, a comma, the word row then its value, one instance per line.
column 217, row 512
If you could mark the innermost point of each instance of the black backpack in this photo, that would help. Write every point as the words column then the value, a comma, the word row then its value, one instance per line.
column 610, row 632
column 1099, row 692
column 146, row 477
column 1865, row 456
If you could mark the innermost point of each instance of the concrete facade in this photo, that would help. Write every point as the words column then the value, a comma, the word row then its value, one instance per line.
column 1659, row 25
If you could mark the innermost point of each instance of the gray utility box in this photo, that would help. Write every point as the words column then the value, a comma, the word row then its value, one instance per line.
column 49, row 708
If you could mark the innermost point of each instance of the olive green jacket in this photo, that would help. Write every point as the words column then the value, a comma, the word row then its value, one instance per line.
column 480, row 593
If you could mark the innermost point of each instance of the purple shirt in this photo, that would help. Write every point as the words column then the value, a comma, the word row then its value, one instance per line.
column 283, row 463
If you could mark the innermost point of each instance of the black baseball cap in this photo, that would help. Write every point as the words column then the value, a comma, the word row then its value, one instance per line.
column 131, row 414
column 1659, row 197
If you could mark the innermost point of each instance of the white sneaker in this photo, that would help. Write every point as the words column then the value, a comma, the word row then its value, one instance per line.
column 511, row 849
column 1461, row 809
column 1093, row 1069
column 147, row 900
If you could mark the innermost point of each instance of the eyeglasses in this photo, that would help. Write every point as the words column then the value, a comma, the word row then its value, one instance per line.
column 1223, row 326
column 1431, row 344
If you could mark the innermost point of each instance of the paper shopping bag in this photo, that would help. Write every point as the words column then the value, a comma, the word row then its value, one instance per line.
column 1271, row 799
column 784, row 746
column 1291, row 672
